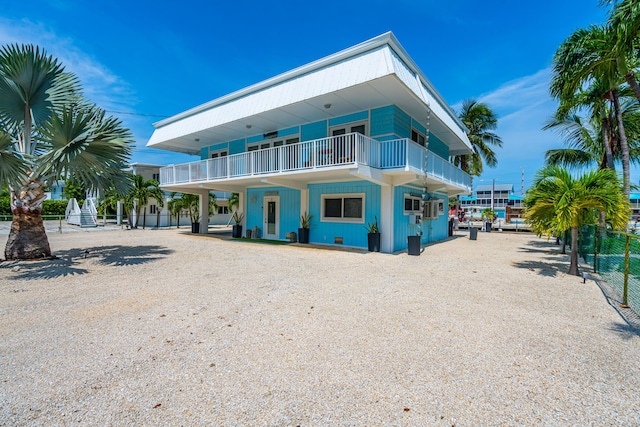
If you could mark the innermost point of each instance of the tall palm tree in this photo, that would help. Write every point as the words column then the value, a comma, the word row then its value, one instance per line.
column 585, row 56
column 481, row 121
column 558, row 202
column 139, row 194
column 624, row 19
column 53, row 134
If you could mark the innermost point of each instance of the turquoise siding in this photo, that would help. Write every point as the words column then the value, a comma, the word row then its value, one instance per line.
column 418, row 126
column 438, row 147
column 355, row 117
column 204, row 153
column 432, row 230
column 390, row 120
column 255, row 138
column 352, row 234
column 313, row 131
column 402, row 123
column 222, row 146
column 237, row 146
column 291, row 131
column 289, row 208
column 382, row 121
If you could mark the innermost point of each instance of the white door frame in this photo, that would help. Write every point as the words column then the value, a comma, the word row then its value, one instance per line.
column 265, row 213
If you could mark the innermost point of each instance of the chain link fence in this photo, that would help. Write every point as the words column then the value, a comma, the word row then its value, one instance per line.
column 616, row 257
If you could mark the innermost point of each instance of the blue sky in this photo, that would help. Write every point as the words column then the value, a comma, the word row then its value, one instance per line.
column 160, row 58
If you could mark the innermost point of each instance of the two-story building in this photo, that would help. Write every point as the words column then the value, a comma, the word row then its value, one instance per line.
column 498, row 197
column 353, row 137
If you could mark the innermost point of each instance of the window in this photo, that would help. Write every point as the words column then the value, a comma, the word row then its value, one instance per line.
column 418, row 137
column 360, row 128
column 343, row 208
column 223, row 209
column 216, row 154
column 152, row 209
column 411, row 204
column 156, row 176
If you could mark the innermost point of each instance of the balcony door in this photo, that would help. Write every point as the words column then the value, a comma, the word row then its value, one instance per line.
column 271, row 217
column 343, row 150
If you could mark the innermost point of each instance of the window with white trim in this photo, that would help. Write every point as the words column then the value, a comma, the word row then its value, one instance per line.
column 343, row 208
column 152, row 209
column 219, row 153
column 418, row 137
column 412, row 205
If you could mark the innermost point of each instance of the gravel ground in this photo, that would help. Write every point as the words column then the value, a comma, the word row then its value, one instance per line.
column 159, row 327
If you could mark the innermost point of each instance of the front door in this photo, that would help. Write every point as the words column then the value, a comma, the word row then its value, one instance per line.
column 271, row 217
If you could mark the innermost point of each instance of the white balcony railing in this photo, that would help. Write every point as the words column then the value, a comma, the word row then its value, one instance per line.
column 349, row 149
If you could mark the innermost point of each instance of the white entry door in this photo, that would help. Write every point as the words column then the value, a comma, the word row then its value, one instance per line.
column 271, row 217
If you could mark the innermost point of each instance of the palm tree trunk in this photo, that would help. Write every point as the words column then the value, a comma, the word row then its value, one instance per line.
column 624, row 146
column 563, row 250
column 573, row 267
column 606, row 140
column 633, row 83
column 27, row 238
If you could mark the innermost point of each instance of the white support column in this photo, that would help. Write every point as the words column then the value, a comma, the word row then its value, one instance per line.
column 304, row 201
column 386, row 218
column 119, row 213
column 204, row 211
column 241, row 208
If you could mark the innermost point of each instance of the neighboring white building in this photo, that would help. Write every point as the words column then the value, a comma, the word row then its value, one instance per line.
column 152, row 215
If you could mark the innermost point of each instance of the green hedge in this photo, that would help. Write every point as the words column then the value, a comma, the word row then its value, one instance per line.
column 49, row 207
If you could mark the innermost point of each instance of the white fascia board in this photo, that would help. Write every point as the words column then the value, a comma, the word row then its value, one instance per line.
column 289, row 75
column 339, row 75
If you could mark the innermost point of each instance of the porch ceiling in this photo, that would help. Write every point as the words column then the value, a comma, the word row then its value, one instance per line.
column 375, row 93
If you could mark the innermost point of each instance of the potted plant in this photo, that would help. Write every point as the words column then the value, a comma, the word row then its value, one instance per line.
column 303, row 231
column 373, row 235
column 237, row 227
column 190, row 203
column 488, row 215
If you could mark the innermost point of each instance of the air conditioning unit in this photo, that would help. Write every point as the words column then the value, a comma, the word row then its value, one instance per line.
column 432, row 209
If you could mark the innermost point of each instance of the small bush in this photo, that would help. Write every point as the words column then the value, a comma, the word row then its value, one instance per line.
column 54, row 207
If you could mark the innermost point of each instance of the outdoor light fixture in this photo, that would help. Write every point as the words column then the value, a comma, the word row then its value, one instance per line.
column 247, row 126
column 327, row 106
column 197, row 139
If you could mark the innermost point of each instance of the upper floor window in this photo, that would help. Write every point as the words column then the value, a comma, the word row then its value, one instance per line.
column 418, row 137
column 219, row 153
column 359, row 127
column 156, row 176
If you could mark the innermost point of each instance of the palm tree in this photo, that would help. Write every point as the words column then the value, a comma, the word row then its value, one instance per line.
column 480, row 121
column 585, row 57
column 53, row 133
column 191, row 203
column 558, row 202
column 624, row 19
column 138, row 195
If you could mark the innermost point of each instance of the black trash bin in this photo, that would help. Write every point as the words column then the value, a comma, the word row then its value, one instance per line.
column 451, row 227
column 473, row 233
column 487, row 227
column 414, row 245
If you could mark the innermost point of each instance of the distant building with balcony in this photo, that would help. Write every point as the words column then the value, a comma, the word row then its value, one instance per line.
column 356, row 136
column 499, row 197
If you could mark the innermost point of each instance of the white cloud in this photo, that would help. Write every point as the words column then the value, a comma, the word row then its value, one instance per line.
column 100, row 84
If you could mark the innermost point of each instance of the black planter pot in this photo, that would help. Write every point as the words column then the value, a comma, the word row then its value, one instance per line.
column 303, row 235
column 374, row 242
column 414, row 245
column 236, row 231
column 195, row 227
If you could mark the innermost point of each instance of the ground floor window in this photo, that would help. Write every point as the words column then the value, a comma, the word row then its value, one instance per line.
column 152, row 209
column 343, row 207
column 223, row 209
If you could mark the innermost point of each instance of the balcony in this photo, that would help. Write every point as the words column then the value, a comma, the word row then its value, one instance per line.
column 304, row 160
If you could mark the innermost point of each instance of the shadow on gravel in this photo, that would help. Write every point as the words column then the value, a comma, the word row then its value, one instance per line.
column 70, row 262
column 550, row 269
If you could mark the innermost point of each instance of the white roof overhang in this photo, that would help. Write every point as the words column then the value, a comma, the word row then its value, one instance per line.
column 372, row 74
